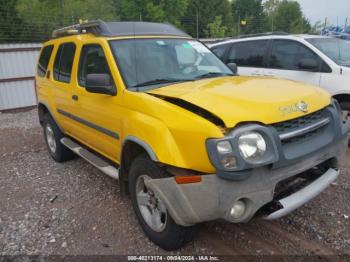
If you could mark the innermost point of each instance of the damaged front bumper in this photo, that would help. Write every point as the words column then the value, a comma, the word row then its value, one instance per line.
column 214, row 197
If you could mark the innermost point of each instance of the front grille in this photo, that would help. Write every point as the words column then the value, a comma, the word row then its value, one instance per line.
column 294, row 125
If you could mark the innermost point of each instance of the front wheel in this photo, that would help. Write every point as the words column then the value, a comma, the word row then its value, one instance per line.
column 150, row 210
column 345, row 109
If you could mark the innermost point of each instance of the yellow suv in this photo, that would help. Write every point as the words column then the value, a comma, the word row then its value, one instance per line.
column 189, row 140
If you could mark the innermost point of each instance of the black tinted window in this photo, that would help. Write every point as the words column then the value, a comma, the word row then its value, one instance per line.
column 64, row 62
column 287, row 55
column 220, row 50
column 44, row 60
column 248, row 53
column 92, row 61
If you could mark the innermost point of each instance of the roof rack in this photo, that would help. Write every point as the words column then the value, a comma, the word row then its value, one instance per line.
column 262, row 34
column 101, row 28
column 96, row 27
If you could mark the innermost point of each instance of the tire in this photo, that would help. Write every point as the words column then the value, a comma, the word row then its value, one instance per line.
column 345, row 106
column 52, row 136
column 169, row 236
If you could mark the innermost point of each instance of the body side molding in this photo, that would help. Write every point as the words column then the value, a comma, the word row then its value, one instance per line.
column 89, row 124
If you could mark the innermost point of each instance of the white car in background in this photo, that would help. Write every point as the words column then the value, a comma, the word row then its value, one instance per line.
column 318, row 60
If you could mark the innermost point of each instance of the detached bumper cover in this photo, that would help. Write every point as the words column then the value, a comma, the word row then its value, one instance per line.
column 304, row 195
column 213, row 197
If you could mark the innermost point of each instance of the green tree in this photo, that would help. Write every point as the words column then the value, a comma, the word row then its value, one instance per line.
column 270, row 6
column 207, row 11
column 43, row 16
column 215, row 29
column 317, row 27
column 290, row 18
column 252, row 13
column 153, row 10
column 10, row 22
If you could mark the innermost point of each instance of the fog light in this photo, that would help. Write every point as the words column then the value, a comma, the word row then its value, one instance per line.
column 238, row 209
column 228, row 162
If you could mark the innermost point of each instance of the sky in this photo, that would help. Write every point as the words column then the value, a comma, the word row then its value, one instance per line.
column 316, row 10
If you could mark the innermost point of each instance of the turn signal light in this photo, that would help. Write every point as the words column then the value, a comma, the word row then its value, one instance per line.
column 187, row 179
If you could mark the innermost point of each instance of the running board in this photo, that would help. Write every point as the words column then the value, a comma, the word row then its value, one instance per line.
column 93, row 159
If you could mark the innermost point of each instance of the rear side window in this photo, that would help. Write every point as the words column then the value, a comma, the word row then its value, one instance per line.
column 62, row 68
column 248, row 53
column 44, row 60
column 92, row 61
column 286, row 55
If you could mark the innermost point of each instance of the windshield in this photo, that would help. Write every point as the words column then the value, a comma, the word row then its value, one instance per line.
column 151, row 63
column 336, row 49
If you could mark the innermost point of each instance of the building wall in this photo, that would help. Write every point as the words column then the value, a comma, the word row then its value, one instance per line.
column 17, row 71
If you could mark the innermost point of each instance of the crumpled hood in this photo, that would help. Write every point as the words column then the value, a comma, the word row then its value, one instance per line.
column 248, row 99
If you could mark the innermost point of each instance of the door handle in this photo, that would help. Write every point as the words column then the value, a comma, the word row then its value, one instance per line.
column 75, row 97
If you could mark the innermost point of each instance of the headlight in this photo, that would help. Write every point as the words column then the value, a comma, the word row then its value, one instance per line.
column 252, row 146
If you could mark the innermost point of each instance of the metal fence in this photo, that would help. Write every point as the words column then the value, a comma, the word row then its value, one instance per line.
column 17, row 70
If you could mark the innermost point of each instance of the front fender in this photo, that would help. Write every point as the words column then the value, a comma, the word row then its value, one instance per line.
column 152, row 135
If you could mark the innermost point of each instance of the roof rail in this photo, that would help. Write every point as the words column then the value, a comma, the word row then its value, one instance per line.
column 100, row 28
column 262, row 34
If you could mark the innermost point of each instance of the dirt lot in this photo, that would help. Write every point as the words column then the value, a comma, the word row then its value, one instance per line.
column 72, row 208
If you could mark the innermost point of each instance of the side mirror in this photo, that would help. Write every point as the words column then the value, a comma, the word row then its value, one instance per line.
column 309, row 64
column 233, row 68
column 100, row 84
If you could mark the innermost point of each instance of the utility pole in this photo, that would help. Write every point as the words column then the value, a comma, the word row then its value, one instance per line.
column 62, row 11
column 346, row 23
column 239, row 25
column 272, row 16
column 197, row 25
column 196, row 5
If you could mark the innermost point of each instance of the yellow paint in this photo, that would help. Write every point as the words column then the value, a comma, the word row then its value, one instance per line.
column 176, row 136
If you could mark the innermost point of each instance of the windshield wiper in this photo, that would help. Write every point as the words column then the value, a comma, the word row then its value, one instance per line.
column 212, row 74
column 160, row 81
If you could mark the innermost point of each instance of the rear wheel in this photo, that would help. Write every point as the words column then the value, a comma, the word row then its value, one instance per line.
column 53, row 136
column 151, row 212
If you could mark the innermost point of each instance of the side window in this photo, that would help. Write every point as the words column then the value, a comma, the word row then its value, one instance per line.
column 248, row 53
column 64, row 62
column 44, row 60
column 286, row 55
column 92, row 61
column 220, row 51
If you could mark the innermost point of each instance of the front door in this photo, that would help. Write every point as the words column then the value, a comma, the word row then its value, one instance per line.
column 249, row 56
column 98, row 118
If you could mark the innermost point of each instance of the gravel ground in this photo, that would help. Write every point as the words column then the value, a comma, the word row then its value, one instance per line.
column 73, row 209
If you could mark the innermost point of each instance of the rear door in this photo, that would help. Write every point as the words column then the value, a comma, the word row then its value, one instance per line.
column 42, row 72
column 284, row 59
column 62, row 83
column 249, row 56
